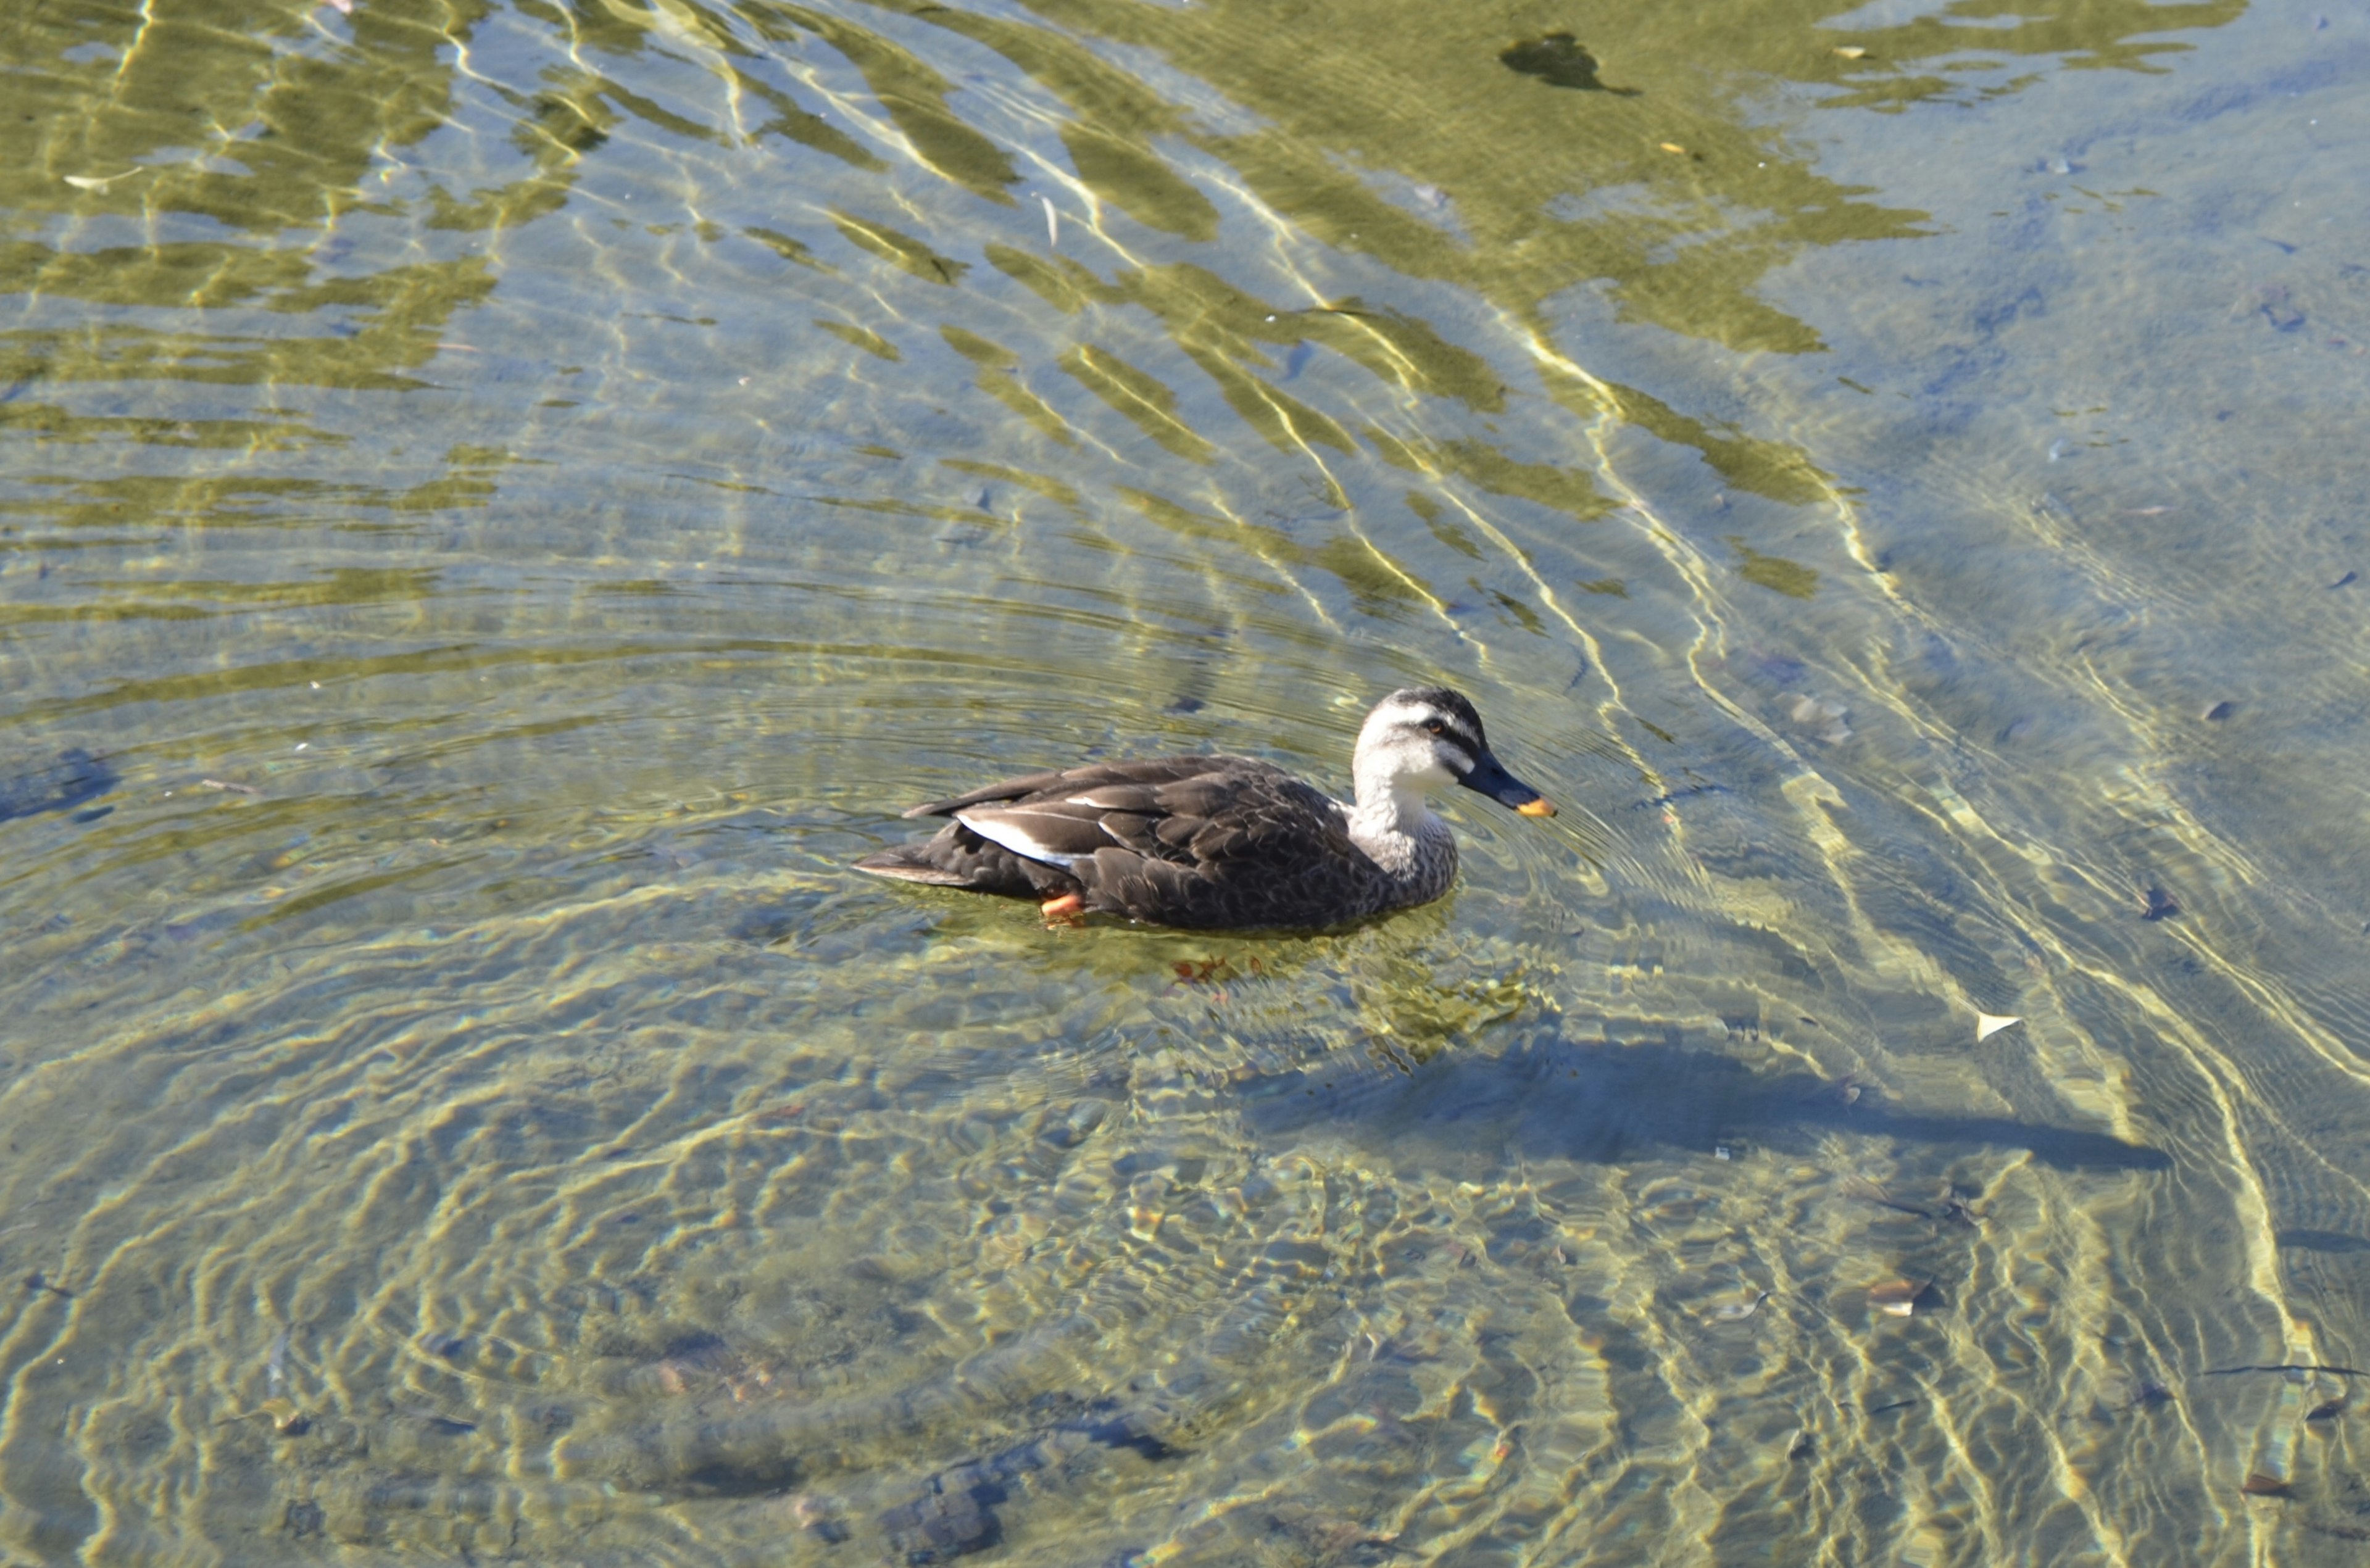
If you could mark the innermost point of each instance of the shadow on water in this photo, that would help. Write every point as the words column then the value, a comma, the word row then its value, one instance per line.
column 76, row 777
column 1561, row 1098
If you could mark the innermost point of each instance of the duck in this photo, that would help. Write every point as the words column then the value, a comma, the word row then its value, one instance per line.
column 1219, row 843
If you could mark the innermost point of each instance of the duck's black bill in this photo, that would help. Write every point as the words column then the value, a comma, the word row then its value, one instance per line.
column 1490, row 777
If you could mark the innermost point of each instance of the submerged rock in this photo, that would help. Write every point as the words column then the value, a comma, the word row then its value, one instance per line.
column 1557, row 59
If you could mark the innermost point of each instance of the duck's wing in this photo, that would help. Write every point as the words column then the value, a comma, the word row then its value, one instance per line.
column 1184, row 841
column 1057, row 781
column 1029, row 855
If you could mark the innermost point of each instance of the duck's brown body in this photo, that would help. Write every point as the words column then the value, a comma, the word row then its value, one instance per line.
column 1223, row 842
column 1201, row 843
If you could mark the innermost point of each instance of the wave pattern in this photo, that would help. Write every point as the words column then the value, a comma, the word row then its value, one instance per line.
column 501, row 504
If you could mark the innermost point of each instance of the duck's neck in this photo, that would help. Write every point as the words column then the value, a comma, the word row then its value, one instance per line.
column 1393, row 823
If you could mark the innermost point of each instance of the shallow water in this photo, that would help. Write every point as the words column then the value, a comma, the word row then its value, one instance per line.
column 500, row 504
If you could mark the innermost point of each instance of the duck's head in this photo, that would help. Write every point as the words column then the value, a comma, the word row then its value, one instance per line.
column 1427, row 737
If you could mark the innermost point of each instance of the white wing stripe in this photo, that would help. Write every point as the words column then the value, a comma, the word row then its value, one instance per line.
column 1016, row 837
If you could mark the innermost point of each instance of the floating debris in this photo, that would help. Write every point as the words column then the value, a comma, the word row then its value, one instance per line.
column 450, row 1426
column 1898, row 1298
column 1990, row 1023
column 2258, row 1485
column 1852, row 51
column 818, row 1518
column 1869, row 1192
column 2328, row 1410
column 1052, row 222
column 2215, row 713
column 286, row 1419
column 2349, row 576
column 230, row 788
column 1737, row 1311
column 2155, row 904
column 1824, row 720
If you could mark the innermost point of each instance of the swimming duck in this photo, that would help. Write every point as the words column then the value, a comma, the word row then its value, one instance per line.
column 1220, row 842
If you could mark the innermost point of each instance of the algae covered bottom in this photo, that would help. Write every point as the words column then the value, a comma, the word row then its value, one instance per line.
column 494, row 498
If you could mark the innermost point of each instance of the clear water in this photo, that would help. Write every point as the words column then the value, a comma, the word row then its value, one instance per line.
column 499, row 504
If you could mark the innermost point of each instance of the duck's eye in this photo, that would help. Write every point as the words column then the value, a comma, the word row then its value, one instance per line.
column 1434, row 725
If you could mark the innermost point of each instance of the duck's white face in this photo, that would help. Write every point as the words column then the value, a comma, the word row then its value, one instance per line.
column 1427, row 737
column 1409, row 741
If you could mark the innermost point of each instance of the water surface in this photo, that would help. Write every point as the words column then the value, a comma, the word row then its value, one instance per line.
column 499, row 504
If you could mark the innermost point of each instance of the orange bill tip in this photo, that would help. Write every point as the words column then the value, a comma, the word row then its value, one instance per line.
column 1542, row 806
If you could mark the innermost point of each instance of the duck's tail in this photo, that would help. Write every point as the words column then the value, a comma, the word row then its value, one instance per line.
column 907, row 863
column 958, row 857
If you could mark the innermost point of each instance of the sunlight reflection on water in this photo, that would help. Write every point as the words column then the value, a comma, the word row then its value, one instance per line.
column 504, row 503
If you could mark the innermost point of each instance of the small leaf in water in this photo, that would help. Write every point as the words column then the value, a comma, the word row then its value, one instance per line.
column 1852, row 51
column 2155, row 904
column 1737, row 1311
column 1896, row 1298
column 2215, row 713
column 1990, row 1023
column 2258, row 1485
column 2328, row 1411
